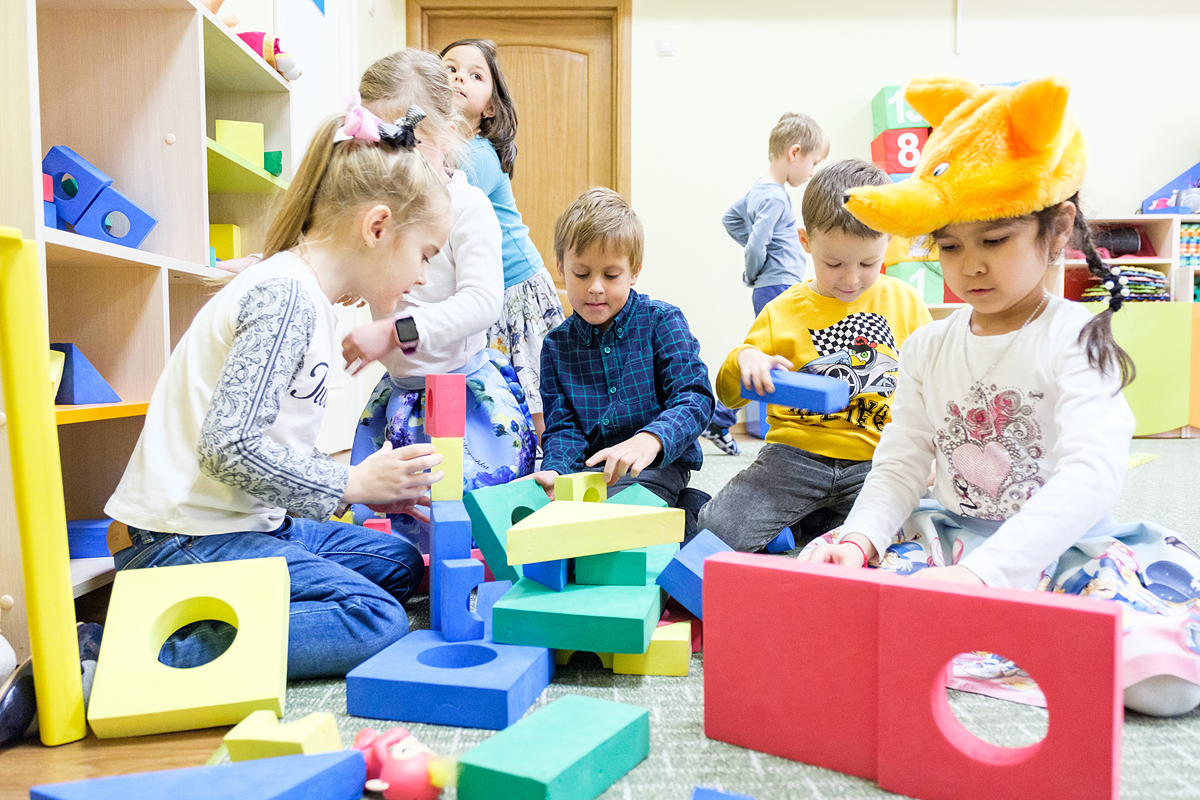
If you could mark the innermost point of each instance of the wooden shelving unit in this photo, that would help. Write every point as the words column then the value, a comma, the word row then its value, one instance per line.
column 135, row 87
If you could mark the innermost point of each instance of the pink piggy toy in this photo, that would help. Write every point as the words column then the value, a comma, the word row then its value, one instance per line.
column 398, row 765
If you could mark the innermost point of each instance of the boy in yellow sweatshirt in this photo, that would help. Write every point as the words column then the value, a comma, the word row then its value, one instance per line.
column 847, row 323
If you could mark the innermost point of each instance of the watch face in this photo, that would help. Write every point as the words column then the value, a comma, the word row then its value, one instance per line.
column 406, row 330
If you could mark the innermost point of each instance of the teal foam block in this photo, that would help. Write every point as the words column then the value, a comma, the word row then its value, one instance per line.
column 88, row 538
column 782, row 543
column 330, row 776
column 622, row 568
column 485, row 599
column 423, row 678
column 81, row 383
column 596, row 619
column 705, row 793
column 456, row 577
column 657, row 559
column 495, row 509
column 573, row 749
column 449, row 538
column 637, row 495
column 683, row 578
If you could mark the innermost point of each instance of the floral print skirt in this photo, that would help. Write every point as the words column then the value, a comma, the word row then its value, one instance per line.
column 499, row 443
column 531, row 310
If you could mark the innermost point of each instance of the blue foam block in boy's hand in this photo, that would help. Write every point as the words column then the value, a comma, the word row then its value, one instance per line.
column 814, row 393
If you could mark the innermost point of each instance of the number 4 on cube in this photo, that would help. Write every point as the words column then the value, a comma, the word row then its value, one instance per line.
column 898, row 150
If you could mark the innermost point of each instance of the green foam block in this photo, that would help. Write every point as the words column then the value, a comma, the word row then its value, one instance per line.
column 622, row 568
column 637, row 495
column 572, row 749
column 657, row 558
column 273, row 162
column 596, row 619
column 493, row 510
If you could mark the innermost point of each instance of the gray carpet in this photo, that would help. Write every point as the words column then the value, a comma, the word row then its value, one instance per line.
column 1160, row 758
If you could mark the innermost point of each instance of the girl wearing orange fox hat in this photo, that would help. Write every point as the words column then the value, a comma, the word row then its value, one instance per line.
column 1017, row 397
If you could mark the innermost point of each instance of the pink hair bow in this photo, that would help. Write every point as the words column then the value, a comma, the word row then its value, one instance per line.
column 360, row 123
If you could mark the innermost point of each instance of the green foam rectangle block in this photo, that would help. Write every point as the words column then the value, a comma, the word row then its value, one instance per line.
column 637, row 495
column 595, row 619
column 622, row 568
column 572, row 749
column 273, row 162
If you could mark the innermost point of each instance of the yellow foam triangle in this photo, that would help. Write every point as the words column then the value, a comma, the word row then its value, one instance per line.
column 1137, row 459
column 567, row 530
column 262, row 735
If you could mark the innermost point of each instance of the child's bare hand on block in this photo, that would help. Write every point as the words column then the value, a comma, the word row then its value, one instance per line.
column 756, row 366
column 388, row 475
column 632, row 455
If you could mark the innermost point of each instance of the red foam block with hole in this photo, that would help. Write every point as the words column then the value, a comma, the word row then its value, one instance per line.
column 874, row 649
column 445, row 405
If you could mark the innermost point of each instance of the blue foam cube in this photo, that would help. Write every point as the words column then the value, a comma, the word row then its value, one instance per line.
column 81, row 384
column 330, row 776
column 705, row 793
column 551, row 574
column 456, row 577
column 61, row 162
column 683, row 578
column 424, row 678
column 99, row 222
column 49, row 214
column 814, row 393
column 782, row 543
column 450, row 538
column 88, row 538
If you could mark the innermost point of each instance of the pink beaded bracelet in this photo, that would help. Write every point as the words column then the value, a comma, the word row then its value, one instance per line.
column 860, row 549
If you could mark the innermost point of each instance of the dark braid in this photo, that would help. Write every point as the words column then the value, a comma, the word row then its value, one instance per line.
column 1103, row 352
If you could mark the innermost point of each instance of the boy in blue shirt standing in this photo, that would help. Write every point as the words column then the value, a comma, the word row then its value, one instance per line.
column 764, row 223
column 623, row 386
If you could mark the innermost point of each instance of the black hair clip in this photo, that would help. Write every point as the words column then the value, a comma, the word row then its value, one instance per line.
column 403, row 133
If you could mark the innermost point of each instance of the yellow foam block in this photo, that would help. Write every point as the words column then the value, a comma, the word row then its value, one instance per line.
column 450, row 487
column 585, row 487
column 261, row 735
column 226, row 240
column 563, row 657
column 243, row 138
column 1137, row 459
column 567, row 530
column 670, row 653
column 58, row 360
column 134, row 694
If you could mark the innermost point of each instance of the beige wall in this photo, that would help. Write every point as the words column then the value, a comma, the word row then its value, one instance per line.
column 380, row 30
column 701, row 117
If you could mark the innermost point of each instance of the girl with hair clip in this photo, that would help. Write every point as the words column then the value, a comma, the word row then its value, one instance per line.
column 226, row 466
column 1017, row 398
column 531, row 307
column 439, row 327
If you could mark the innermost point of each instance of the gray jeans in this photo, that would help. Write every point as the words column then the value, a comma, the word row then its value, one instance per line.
column 780, row 489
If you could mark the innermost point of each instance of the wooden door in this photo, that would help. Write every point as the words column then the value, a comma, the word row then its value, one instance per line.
column 567, row 69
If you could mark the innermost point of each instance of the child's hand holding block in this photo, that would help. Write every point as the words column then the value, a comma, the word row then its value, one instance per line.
column 814, row 393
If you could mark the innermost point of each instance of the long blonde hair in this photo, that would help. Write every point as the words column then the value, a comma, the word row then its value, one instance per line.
column 397, row 81
column 335, row 179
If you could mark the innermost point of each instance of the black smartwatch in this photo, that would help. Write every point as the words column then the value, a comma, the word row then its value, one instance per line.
column 407, row 335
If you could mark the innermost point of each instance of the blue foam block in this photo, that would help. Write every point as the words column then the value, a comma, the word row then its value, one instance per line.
column 456, row 577
column 683, row 578
column 89, row 181
column 815, row 393
column 782, row 543
column 705, row 793
column 450, row 538
column 88, row 538
column 330, row 776
column 756, row 419
column 49, row 214
column 81, row 383
column 423, row 678
column 485, row 598
column 495, row 509
column 551, row 574
column 96, row 222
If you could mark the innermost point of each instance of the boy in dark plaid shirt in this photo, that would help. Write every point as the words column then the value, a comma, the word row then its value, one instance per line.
column 623, row 386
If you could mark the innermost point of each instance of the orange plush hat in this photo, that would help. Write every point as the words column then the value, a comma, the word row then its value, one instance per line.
column 995, row 152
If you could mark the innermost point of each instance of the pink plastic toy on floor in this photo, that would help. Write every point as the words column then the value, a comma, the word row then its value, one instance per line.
column 400, row 767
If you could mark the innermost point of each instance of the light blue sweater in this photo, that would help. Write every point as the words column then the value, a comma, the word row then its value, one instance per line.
column 521, row 258
column 763, row 222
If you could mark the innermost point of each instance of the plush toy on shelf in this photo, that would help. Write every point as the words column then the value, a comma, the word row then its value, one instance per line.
column 268, row 48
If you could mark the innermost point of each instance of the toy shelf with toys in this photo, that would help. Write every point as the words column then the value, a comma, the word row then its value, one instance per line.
column 131, row 91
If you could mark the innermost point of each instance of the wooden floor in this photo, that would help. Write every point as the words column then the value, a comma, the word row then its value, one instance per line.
column 30, row 763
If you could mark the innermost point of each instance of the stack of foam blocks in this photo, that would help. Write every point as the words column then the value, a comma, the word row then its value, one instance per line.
column 76, row 193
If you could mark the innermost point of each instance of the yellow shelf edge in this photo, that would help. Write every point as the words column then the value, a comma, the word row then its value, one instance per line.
column 67, row 415
column 229, row 172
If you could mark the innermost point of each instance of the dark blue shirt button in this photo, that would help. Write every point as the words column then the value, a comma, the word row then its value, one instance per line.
column 596, row 330
column 607, row 350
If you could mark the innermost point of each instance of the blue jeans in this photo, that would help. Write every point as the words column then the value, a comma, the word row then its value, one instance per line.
column 725, row 417
column 347, row 585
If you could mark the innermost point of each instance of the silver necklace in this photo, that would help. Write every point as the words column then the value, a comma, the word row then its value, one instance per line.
column 977, row 383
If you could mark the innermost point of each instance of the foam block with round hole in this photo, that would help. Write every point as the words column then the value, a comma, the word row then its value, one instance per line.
column 456, row 577
column 134, row 694
column 449, row 538
column 493, row 510
column 424, row 678
column 568, row 530
column 581, row 487
column 262, row 735
column 98, row 223
column 62, row 161
column 445, row 405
